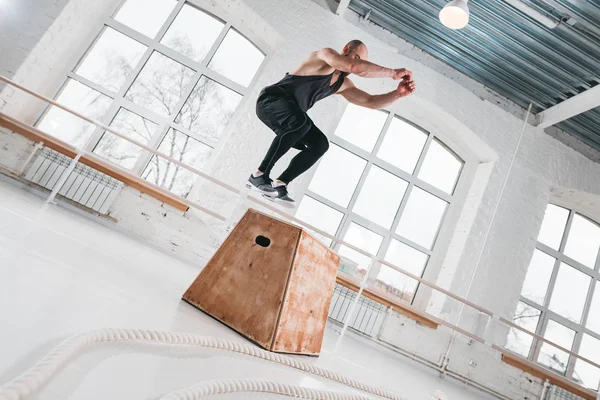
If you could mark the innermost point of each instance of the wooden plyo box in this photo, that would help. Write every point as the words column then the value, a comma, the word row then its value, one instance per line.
column 271, row 282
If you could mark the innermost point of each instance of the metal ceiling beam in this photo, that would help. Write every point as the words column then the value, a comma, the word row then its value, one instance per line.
column 533, row 13
column 569, row 108
column 577, row 13
column 342, row 7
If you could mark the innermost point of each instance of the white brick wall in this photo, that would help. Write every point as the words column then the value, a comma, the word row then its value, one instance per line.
column 480, row 125
column 45, row 68
column 22, row 24
column 14, row 150
column 184, row 234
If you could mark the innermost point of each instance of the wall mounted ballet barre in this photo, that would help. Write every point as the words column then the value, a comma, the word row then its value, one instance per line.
column 82, row 155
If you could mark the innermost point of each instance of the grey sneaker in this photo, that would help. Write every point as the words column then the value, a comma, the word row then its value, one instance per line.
column 281, row 195
column 261, row 183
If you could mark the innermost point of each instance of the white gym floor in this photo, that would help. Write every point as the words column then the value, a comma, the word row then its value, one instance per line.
column 62, row 273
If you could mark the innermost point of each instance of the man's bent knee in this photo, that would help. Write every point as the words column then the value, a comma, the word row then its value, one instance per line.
column 322, row 146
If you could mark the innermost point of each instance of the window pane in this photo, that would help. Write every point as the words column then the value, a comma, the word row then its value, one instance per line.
column 335, row 183
column 208, row 109
column 237, row 58
column 552, row 357
column 402, row 145
column 526, row 317
column 192, row 33
column 111, row 59
column 408, row 259
column 361, row 126
column 583, row 241
column 68, row 127
column 421, row 218
column 320, row 216
column 396, row 283
column 160, row 84
column 570, row 291
column 170, row 176
column 365, row 240
column 590, row 348
column 440, row 168
column 586, row 373
column 380, row 197
column 145, row 16
column 553, row 226
column 593, row 319
column 119, row 150
column 538, row 277
column 353, row 263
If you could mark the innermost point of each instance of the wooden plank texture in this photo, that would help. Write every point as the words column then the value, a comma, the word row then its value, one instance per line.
column 307, row 298
column 244, row 283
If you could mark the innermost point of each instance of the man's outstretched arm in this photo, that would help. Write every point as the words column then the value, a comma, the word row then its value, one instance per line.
column 360, row 67
column 361, row 98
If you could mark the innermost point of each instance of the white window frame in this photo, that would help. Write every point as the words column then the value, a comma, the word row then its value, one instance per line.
column 547, row 314
column 153, row 44
column 449, row 220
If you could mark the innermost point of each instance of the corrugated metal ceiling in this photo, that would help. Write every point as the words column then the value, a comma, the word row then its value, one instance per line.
column 508, row 51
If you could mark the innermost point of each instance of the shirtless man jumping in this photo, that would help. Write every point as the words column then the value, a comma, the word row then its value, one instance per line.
column 283, row 106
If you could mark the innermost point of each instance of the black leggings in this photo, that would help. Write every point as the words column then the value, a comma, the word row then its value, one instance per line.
column 293, row 128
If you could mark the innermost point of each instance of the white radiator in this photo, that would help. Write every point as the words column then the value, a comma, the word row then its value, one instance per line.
column 556, row 393
column 84, row 185
column 369, row 314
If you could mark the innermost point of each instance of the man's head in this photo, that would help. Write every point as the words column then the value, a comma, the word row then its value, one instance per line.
column 355, row 49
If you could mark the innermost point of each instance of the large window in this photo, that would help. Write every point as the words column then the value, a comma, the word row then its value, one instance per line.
column 164, row 73
column 560, row 299
column 384, row 186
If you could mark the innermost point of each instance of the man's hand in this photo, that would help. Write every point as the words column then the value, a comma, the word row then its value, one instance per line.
column 406, row 87
column 402, row 73
column 356, row 96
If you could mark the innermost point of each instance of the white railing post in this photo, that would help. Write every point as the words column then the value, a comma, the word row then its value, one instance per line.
column 34, row 151
column 241, row 206
column 65, row 175
column 488, row 331
column 354, row 306
column 545, row 389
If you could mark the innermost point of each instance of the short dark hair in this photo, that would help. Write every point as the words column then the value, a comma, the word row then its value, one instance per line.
column 353, row 44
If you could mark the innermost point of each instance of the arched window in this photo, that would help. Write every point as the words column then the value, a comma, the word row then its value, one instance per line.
column 560, row 299
column 384, row 186
column 165, row 73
